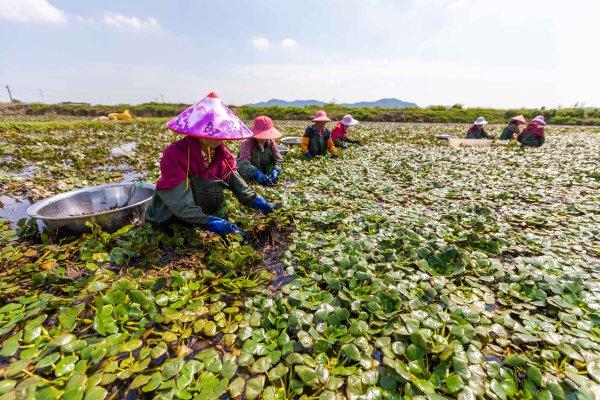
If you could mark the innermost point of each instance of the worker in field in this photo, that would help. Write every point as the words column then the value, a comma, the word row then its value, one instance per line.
column 512, row 129
column 339, row 134
column 477, row 131
column 317, row 138
column 195, row 170
column 533, row 135
column 259, row 159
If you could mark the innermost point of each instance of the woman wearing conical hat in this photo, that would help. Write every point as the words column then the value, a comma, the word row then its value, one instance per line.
column 195, row 170
column 477, row 131
column 317, row 138
column 533, row 135
column 512, row 130
column 259, row 159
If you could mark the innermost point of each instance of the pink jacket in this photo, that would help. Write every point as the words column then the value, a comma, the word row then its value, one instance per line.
column 184, row 158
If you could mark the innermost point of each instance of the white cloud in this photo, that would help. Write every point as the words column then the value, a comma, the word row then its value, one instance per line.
column 82, row 19
column 31, row 11
column 260, row 42
column 133, row 23
column 288, row 43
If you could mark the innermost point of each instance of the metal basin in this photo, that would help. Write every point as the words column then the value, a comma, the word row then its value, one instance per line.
column 291, row 140
column 445, row 137
column 111, row 206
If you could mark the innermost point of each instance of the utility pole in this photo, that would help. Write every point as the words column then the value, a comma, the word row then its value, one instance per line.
column 162, row 98
column 42, row 95
column 9, row 94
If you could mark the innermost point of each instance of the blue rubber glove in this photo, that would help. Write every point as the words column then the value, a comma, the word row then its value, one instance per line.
column 263, row 206
column 222, row 227
column 261, row 178
column 274, row 175
column 308, row 155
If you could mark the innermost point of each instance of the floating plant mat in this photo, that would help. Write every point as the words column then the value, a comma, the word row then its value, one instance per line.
column 418, row 271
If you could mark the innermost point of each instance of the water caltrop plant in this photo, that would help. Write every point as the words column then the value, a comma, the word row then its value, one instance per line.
column 404, row 269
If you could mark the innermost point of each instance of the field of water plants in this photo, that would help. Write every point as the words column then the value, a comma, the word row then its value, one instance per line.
column 404, row 269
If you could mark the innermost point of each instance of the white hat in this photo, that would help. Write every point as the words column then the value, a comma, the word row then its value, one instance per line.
column 539, row 119
column 480, row 121
column 348, row 120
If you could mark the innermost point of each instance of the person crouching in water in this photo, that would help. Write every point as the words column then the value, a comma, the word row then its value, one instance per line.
column 339, row 132
column 476, row 131
column 317, row 138
column 259, row 159
column 195, row 170
column 533, row 135
column 512, row 129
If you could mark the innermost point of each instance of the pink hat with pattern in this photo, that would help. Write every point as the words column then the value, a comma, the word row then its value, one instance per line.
column 210, row 118
column 320, row 116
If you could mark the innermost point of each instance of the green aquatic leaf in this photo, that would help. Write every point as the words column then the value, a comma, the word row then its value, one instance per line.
column 593, row 369
column 236, row 387
column 254, row 387
column 11, row 345
column 130, row 346
column 95, row 393
column 307, row 375
column 261, row 365
column 278, row 372
column 171, row 367
column 47, row 361
column 454, row 383
column 155, row 380
column 351, row 352
column 7, row 385
column 534, row 375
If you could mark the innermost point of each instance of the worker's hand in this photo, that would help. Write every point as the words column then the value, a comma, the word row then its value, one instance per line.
column 308, row 155
column 261, row 178
column 222, row 227
column 334, row 155
column 263, row 206
column 274, row 175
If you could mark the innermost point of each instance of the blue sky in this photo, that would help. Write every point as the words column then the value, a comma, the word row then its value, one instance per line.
column 477, row 52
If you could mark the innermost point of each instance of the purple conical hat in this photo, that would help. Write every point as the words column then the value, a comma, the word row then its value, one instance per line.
column 211, row 119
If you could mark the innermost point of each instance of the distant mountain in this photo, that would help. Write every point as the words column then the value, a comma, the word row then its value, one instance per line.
column 283, row 103
column 383, row 103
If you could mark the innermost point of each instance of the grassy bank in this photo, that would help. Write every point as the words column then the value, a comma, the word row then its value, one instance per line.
column 436, row 114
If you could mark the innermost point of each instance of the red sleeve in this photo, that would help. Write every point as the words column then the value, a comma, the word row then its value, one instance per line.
column 172, row 169
column 229, row 158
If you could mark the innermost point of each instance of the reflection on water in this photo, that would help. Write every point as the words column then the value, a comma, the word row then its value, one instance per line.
column 123, row 149
column 14, row 208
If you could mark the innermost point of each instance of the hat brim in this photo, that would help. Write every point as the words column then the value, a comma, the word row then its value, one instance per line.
column 519, row 118
column 268, row 134
column 351, row 123
column 481, row 123
column 321, row 119
column 201, row 136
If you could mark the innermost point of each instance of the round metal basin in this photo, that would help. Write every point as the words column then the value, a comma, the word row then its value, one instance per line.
column 111, row 206
column 291, row 140
column 445, row 137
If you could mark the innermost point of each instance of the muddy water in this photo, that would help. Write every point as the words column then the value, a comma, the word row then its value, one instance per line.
column 14, row 208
